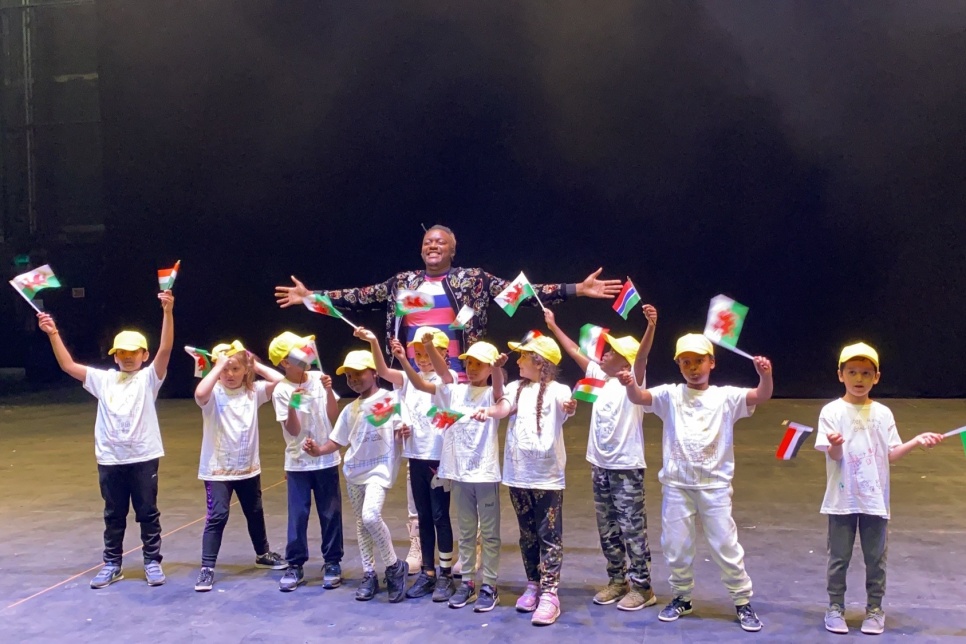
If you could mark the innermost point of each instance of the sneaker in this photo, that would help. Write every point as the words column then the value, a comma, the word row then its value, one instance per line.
column 423, row 585
column 368, row 588
column 747, row 618
column 637, row 599
column 331, row 575
column 463, row 595
column 271, row 560
column 444, row 588
column 396, row 581
column 107, row 576
column 415, row 556
column 488, row 599
column 874, row 622
column 548, row 610
column 675, row 609
column 292, row 579
column 153, row 573
column 206, row 579
column 528, row 600
column 835, row 620
column 614, row 591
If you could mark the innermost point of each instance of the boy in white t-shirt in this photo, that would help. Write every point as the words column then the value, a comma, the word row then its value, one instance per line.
column 860, row 440
column 699, row 464
column 306, row 406
column 127, row 438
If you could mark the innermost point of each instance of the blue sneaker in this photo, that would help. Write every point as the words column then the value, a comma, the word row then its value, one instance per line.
column 153, row 573
column 107, row 576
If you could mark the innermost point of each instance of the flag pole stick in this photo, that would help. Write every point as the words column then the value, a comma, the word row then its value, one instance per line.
column 737, row 350
column 29, row 301
column 954, row 432
column 354, row 326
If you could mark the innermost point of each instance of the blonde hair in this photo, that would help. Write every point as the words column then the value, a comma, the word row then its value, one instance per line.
column 246, row 361
column 548, row 372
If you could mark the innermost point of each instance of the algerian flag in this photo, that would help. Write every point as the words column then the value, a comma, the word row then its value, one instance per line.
column 443, row 418
column 462, row 318
column 725, row 319
column 380, row 412
column 319, row 303
column 166, row 276
column 514, row 294
column 588, row 389
column 301, row 401
column 28, row 284
column 592, row 341
column 202, row 360
column 408, row 301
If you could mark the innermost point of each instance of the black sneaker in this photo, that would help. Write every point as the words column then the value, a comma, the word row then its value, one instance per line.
column 292, row 579
column 463, row 595
column 747, row 618
column 271, row 560
column 675, row 609
column 396, row 581
column 107, row 576
column 488, row 599
column 423, row 585
column 206, row 579
column 368, row 588
column 332, row 575
column 444, row 588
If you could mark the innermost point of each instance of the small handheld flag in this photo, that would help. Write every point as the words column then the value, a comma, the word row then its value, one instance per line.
column 462, row 318
column 379, row 412
column 28, row 284
column 725, row 319
column 202, row 360
column 443, row 418
column 515, row 293
column 312, row 353
column 300, row 401
column 588, row 389
column 962, row 435
column 627, row 299
column 321, row 304
column 166, row 276
column 592, row 342
column 408, row 301
column 792, row 441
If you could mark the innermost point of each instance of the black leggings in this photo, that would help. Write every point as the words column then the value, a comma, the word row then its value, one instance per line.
column 432, row 506
column 219, row 493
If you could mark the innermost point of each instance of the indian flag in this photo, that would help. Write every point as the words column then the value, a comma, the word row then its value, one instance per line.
column 792, row 442
column 462, row 318
column 28, row 284
column 725, row 319
column 408, row 301
column 588, row 389
column 514, row 294
column 202, row 360
column 166, row 276
column 592, row 341
column 379, row 413
column 301, row 401
column 627, row 299
column 443, row 418
column 319, row 303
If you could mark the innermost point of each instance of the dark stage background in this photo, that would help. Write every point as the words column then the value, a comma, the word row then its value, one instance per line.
column 806, row 158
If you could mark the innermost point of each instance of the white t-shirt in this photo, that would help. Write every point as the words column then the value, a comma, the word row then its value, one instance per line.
column 426, row 441
column 314, row 424
column 229, row 442
column 471, row 449
column 126, row 429
column 859, row 483
column 529, row 460
column 616, row 440
column 699, row 425
column 373, row 453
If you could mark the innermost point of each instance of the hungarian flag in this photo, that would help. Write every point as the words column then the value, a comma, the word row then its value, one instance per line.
column 588, row 389
column 443, row 418
column 379, row 413
column 627, row 299
column 514, row 294
column 792, row 442
column 202, row 361
column 166, row 276
column 592, row 341
column 412, row 302
column 462, row 318
column 300, row 401
column 319, row 303
column 725, row 319
column 28, row 284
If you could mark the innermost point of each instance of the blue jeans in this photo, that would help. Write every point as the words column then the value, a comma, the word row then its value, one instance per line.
column 328, row 503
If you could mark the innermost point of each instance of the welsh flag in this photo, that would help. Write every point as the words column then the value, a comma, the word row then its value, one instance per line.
column 166, row 276
column 408, row 301
column 725, row 319
column 319, row 303
column 202, row 360
column 300, row 401
column 514, row 294
column 627, row 299
column 792, row 442
column 588, row 389
column 28, row 284
column 379, row 412
column 592, row 341
column 443, row 418
column 300, row 358
column 462, row 318
column 312, row 354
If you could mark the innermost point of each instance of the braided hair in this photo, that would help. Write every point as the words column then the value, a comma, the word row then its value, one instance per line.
column 548, row 372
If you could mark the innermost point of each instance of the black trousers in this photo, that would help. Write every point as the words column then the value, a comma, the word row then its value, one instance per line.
column 432, row 506
column 324, row 484
column 123, row 486
column 219, row 493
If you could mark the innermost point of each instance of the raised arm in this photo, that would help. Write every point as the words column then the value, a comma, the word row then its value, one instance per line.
column 765, row 386
column 273, row 377
column 497, row 376
column 439, row 362
column 635, row 393
column 926, row 439
column 64, row 359
column 163, row 355
column 392, row 376
column 331, row 402
column 414, row 377
column 640, row 363
column 207, row 384
column 568, row 345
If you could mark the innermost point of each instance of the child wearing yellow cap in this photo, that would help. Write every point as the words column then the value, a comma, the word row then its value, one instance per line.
column 860, row 440
column 699, row 465
column 534, row 460
column 306, row 406
column 229, row 397
column 615, row 451
column 127, row 438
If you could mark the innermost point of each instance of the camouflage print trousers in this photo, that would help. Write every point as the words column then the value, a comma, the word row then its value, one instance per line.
column 622, row 523
column 540, row 515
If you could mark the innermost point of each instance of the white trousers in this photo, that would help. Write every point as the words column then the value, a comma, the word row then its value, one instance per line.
column 371, row 531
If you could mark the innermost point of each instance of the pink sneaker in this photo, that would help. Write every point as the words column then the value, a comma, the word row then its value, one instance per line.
column 528, row 600
column 548, row 611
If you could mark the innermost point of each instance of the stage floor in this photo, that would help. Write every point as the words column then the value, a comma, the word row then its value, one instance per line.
column 51, row 542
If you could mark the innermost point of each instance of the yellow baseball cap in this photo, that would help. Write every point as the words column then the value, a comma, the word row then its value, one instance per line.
column 283, row 343
column 227, row 350
column 542, row 345
column 359, row 360
column 693, row 343
column 440, row 340
column 625, row 347
column 859, row 350
column 128, row 341
column 482, row 351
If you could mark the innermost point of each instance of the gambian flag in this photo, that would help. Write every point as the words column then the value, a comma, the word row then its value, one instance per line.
column 462, row 318
column 300, row 401
column 166, row 276
column 588, row 389
column 411, row 302
column 202, row 361
column 28, row 284
column 319, row 303
column 792, row 442
column 514, row 294
column 443, row 418
column 627, row 299
column 379, row 413
column 592, row 341
column 725, row 319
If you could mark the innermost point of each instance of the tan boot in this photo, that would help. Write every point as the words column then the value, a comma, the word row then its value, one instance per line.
column 415, row 556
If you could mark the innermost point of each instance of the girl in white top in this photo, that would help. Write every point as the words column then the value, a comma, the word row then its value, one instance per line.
column 229, row 399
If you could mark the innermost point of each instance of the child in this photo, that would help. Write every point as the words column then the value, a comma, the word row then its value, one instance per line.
column 615, row 450
column 229, row 399
column 127, row 438
column 533, row 468
column 370, row 427
column 860, row 440
column 423, row 448
column 312, row 417
column 699, row 464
